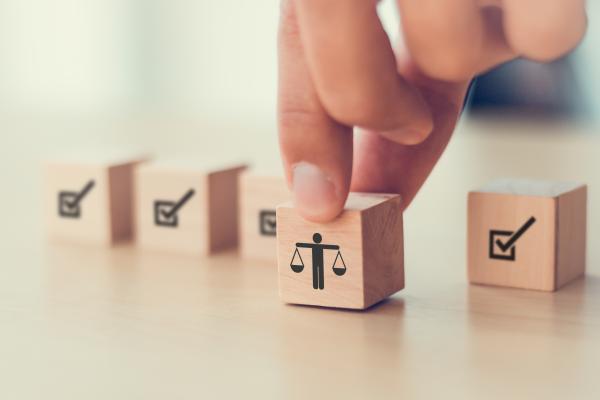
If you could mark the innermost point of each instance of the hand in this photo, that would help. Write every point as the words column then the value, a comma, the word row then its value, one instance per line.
column 337, row 71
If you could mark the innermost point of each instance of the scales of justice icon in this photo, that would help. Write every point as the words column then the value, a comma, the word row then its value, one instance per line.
column 338, row 267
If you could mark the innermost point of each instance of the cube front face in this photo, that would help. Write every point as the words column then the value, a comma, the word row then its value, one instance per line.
column 352, row 262
column 259, row 197
column 76, row 202
column 320, row 264
column 171, row 210
column 512, row 240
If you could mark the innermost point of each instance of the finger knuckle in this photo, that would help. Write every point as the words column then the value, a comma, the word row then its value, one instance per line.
column 290, row 117
column 288, row 23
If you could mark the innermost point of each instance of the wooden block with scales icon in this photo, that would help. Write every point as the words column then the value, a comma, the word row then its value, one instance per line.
column 352, row 262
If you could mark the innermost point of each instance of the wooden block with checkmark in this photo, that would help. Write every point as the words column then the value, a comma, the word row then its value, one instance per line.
column 353, row 262
column 527, row 234
column 259, row 196
column 187, row 207
column 90, row 199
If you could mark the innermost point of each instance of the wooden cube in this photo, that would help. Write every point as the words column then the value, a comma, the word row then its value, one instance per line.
column 527, row 234
column 259, row 197
column 352, row 262
column 90, row 200
column 188, row 208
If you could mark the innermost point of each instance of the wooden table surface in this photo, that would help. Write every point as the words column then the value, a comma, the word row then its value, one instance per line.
column 82, row 322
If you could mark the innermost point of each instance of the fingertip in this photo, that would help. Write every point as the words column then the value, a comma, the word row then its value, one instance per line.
column 316, row 196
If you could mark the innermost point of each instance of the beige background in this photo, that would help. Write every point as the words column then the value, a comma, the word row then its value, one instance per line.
column 84, row 322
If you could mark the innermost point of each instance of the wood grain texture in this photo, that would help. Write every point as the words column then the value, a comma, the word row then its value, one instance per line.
column 571, row 235
column 544, row 257
column 205, row 222
column 369, row 236
column 383, row 246
column 259, row 193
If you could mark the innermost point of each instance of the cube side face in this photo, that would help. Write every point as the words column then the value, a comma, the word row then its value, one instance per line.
column 572, row 229
column 330, row 279
column 121, row 188
column 171, row 210
column 76, row 203
column 223, row 201
column 512, row 241
column 259, row 197
column 383, row 251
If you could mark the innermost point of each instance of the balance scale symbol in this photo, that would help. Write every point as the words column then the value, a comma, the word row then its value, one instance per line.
column 338, row 267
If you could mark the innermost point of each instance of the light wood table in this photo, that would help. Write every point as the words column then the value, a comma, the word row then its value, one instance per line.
column 91, row 323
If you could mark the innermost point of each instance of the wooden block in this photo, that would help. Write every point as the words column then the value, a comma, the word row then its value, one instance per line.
column 90, row 200
column 188, row 208
column 352, row 262
column 527, row 234
column 259, row 197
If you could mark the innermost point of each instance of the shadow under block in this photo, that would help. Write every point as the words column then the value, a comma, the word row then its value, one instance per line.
column 89, row 202
column 259, row 197
column 527, row 234
column 186, row 208
column 352, row 262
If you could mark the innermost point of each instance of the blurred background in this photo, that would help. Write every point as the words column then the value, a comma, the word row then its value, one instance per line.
column 189, row 78
column 202, row 59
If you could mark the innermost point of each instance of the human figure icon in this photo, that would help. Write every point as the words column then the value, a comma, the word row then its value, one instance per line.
column 317, row 259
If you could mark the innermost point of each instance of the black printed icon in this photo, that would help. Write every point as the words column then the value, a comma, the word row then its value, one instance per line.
column 165, row 212
column 267, row 223
column 506, row 250
column 69, row 203
column 318, row 270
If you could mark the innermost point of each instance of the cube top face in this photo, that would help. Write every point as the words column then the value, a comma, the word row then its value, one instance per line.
column 259, row 197
column 172, row 209
column 326, row 264
column 100, row 159
column 76, row 202
column 528, row 187
column 365, row 201
column 196, row 166
column 516, row 234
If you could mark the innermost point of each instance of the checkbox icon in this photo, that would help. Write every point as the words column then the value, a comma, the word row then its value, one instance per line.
column 165, row 211
column 267, row 223
column 502, row 244
column 69, row 202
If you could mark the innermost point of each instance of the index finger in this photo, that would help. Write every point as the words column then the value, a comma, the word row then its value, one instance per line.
column 316, row 150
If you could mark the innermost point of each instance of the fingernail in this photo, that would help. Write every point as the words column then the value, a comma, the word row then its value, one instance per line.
column 314, row 193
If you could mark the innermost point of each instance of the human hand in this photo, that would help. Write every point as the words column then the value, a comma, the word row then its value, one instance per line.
column 337, row 70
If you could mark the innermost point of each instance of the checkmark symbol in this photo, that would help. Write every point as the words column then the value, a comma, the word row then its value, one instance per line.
column 74, row 202
column 180, row 203
column 165, row 212
column 69, row 202
column 513, row 239
column 267, row 222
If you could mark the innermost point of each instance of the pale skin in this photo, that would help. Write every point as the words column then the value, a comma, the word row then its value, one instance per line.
column 338, row 71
